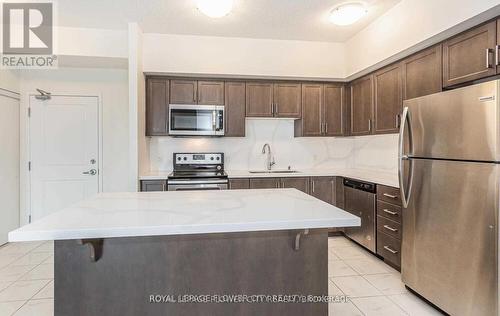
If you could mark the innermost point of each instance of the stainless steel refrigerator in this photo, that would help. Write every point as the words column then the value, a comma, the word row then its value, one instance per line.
column 449, row 155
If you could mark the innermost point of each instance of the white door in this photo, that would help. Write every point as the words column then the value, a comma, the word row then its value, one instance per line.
column 9, row 165
column 64, row 149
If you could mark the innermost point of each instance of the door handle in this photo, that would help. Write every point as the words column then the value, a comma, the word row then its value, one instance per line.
column 389, row 212
column 390, row 228
column 91, row 172
column 390, row 250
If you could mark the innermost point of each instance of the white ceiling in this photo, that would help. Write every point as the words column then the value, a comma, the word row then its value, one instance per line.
column 273, row 19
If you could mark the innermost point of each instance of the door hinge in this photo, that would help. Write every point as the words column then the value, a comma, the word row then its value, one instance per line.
column 29, row 165
column 29, row 112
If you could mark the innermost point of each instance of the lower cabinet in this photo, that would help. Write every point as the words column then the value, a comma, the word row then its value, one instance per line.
column 301, row 184
column 323, row 188
column 239, row 184
column 153, row 185
column 264, row 183
column 389, row 225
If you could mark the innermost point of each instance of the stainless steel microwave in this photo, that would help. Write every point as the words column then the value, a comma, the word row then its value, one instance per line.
column 196, row 120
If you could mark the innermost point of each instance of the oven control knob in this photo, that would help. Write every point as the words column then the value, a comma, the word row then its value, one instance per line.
column 218, row 158
column 185, row 158
column 211, row 158
column 179, row 158
column 219, row 167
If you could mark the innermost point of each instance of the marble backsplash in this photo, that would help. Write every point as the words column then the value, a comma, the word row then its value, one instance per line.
column 378, row 152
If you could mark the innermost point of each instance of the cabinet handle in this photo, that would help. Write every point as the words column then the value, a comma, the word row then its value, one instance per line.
column 163, row 187
column 369, row 125
column 390, row 250
column 497, row 58
column 390, row 228
column 322, row 128
column 313, row 186
column 276, row 108
column 397, row 120
column 488, row 63
column 390, row 195
column 389, row 212
column 326, row 128
column 272, row 109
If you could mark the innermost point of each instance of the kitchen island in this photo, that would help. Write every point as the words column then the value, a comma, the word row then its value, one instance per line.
column 239, row 252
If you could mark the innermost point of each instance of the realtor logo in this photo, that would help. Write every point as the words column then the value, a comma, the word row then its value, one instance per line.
column 27, row 28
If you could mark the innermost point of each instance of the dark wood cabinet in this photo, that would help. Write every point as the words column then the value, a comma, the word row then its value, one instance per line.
column 235, row 109
column 470, row 55
column 264, row 183
column 157, row 97
column 210, row 92
column 239, row 184
column 323, row 188
column 362, row 106
column 333, row 109
column 422, row 73
column 299, row 183
column 339, row 193
column 388, row 99
column 183, row 91
column 153, row 185
column 259, row 99
column 389, row 225
column 287, row 100
column 311, row 123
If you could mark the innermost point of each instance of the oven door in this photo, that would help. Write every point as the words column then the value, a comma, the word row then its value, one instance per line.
column 196, row 120
column 197, row 185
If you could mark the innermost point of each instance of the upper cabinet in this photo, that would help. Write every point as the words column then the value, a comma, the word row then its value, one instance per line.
column 259, row 99
column 235, row 99
column 361, row 96
column 287, row 100
column 196, row 92
column 422, row 73
column 265, row 99
column 333, row 109
column 183, row 91
column 211, row 92
column 470, row 55
column 322, row 110
column 388, row 99
column 157, row 107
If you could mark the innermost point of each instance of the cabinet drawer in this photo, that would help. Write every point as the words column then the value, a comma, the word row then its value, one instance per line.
column 389, row 211
column 389, row 248
column 389, row 227
column 388, row 194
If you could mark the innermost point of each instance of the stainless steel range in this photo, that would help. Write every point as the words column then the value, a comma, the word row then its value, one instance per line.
column 198, row 171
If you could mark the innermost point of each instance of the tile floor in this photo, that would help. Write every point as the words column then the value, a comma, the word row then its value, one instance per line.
column 373, row 288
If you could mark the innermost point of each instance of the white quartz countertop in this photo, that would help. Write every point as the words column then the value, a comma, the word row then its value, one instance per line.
column 375, row 176
column 186, row 212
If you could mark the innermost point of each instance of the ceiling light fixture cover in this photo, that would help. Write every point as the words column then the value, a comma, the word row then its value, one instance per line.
column 347, row 14
column 215, row 8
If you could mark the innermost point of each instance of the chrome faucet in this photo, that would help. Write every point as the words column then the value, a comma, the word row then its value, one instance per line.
column 270, row 159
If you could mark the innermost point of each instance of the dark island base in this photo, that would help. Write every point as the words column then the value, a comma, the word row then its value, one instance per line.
column 130, row 270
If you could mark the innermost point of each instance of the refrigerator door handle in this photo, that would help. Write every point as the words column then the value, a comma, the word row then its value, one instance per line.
column 405, row 121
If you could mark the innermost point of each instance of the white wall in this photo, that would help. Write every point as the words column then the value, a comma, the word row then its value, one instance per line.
column 242, row 56
column 372, row 152
column 409, row 23
column 9, row 163
column 113, row 88
column 9, row 80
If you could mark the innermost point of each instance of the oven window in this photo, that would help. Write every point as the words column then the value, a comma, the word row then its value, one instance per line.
column 191, row 120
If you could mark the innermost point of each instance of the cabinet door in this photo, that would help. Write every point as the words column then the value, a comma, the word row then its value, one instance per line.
column 362, row 106
column 183, row 91
column 301, row 184
column 323, row 188
column 259, row 99
column 264, row 183
column 239, row 184
column 312, row 116
column 422, row 73
column 333, row 110
column 339, row 193
column 388, row 99
column 157, row 107
column 287, row 100
column 153, row 185
column 470, row 55
column 235, row 109
column 211, row 92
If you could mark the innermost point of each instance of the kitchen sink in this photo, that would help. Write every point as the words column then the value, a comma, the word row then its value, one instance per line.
column 273, row 171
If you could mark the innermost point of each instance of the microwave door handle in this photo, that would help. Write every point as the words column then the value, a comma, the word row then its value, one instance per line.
column 214, row 120
column 405, row 121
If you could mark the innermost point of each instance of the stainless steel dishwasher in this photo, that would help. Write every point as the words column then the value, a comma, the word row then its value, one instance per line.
column 360, row 200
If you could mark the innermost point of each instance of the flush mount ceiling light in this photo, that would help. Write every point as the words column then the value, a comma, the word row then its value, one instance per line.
column 215, row 8
column 347, row 14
